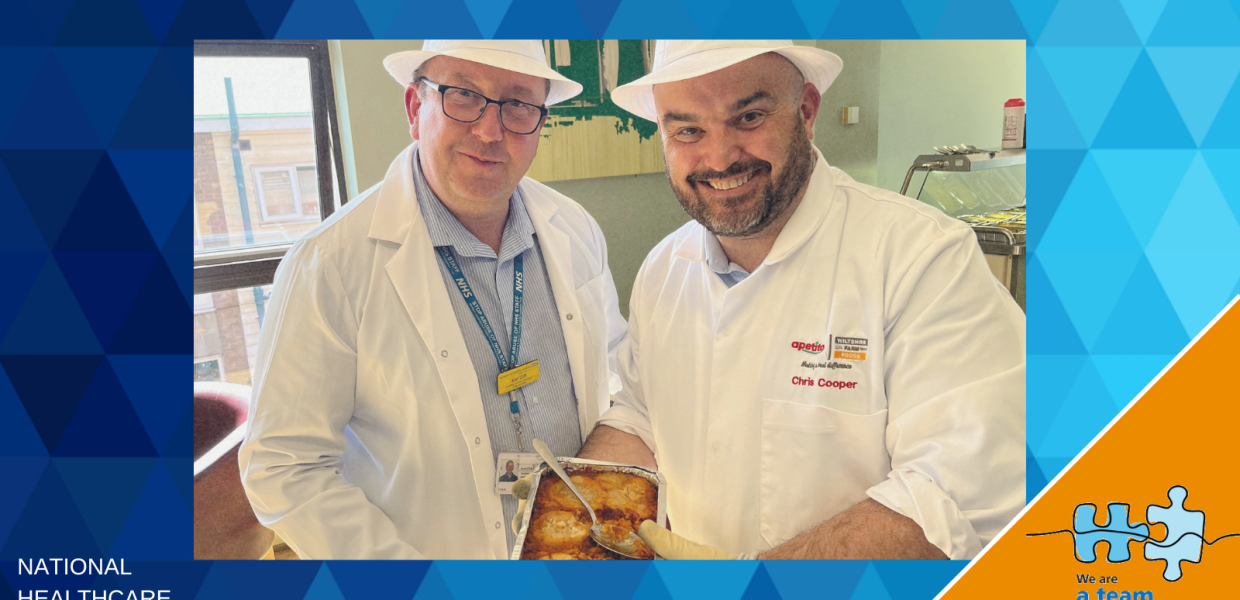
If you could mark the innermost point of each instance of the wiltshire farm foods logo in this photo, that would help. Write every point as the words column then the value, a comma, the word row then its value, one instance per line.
column 809, row 347
column 849, row 348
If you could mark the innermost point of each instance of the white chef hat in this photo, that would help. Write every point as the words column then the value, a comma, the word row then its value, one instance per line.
column 676, row 60
column 520, row 56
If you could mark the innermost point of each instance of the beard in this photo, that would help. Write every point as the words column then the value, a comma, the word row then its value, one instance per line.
column 750, row 214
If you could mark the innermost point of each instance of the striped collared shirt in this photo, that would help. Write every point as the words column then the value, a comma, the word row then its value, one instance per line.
column 730, row 272
column 549, row 405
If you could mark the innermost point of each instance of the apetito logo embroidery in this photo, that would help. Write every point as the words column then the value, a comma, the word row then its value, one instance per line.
column 809, row 348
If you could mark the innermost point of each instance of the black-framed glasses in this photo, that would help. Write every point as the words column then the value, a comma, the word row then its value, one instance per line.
column 467, row 106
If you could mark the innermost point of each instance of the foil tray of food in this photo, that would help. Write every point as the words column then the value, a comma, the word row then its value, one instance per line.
column 556, row 526
column 1013, row 219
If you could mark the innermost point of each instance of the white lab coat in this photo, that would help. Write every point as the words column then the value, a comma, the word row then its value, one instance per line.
column 930, row 424
column 367, row 437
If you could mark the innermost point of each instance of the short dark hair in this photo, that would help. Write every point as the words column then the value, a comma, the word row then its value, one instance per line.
column 420, row 72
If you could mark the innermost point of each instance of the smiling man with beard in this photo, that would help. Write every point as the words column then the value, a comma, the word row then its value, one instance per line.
column 758, row 209
column 913, row 446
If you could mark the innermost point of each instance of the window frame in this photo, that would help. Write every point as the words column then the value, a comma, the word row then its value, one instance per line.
column 230, row 268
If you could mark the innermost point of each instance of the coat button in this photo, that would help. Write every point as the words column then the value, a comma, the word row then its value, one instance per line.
column 444, row 354
column 497, row 525
column 477, row 441
column 570, row 316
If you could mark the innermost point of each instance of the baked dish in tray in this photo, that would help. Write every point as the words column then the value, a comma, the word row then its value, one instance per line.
column 559, row 527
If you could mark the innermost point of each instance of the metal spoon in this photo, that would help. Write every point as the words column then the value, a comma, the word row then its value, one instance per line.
column 626, row 547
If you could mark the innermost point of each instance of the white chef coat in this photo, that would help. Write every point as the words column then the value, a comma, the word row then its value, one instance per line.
column 367, row 437
column 871, row 354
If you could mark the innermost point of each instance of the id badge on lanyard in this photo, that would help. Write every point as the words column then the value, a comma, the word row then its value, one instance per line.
column 512, row 466
column 511, row 375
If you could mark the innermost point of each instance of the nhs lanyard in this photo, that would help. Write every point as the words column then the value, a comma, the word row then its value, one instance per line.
column 518, row 293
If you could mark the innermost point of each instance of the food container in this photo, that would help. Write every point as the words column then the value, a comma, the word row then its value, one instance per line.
column 572, row 464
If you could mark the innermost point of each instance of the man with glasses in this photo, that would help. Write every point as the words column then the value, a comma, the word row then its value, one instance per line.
column 420, row 339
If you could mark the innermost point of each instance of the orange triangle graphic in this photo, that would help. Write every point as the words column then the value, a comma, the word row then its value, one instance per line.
column 1182, row 431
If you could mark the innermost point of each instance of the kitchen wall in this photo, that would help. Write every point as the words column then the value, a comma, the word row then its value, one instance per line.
column 914, row 95
column 853, row 148
column 371, row 105
column 635, row 212
column 936, row 93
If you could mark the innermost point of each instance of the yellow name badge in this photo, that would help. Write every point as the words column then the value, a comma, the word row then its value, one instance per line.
column 519, row 377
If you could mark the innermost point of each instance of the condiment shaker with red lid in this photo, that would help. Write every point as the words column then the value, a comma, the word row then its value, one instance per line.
column 1014, row 123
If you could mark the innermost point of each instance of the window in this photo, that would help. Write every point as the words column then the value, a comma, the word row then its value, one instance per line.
column 287, row 193
column 267, row 165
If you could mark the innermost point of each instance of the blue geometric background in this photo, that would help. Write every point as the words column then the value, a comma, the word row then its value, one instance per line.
column 1134, row 139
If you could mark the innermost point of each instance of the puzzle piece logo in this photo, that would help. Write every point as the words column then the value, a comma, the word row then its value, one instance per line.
column 1183, row 542
column 1116, row 532
column 1185, row 529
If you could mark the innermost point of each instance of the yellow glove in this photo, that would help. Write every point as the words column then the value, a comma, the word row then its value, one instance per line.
column 521, row 491
column 673, row 547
